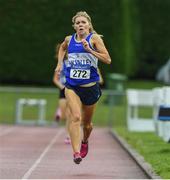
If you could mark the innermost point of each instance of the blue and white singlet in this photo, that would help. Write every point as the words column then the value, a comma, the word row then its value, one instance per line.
column 82, row 65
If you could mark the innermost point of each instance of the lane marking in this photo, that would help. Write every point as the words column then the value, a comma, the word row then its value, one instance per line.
column 33, row 167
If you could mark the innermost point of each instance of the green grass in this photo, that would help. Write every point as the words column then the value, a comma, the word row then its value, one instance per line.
column 154, row 150
column 141, row 84
column 8, row 107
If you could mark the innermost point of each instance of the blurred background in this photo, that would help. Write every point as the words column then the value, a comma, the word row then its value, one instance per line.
column 135, row 34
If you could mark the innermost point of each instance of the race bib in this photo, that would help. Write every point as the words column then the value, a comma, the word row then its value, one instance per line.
column 80, row 73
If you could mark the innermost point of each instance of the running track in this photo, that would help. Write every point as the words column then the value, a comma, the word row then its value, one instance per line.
column 40, row 153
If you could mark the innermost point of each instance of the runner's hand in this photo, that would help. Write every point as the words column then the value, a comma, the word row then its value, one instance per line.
column 86, row 45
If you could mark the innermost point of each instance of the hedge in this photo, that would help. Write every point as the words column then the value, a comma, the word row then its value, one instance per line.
column 135, row 33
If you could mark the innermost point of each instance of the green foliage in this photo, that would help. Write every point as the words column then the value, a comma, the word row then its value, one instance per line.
column 140, row 42
column 154, row 44
column 135, row 33
column 129, row 36
column 30, row 30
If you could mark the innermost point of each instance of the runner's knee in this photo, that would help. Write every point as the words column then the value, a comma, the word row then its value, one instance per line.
column 88, row 126
column 76, row 118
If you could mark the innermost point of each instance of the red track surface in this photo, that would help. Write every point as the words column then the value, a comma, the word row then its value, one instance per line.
column 40, row 153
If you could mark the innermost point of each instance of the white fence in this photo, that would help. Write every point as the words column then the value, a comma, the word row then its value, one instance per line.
column 159, row 100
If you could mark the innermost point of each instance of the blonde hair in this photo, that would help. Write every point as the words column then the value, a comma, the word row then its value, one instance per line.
column 84, row 14
column 57, row 48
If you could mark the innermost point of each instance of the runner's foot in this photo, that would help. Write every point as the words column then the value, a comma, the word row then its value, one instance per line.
column 77, row 158
column 84, row 149
column 67, row 140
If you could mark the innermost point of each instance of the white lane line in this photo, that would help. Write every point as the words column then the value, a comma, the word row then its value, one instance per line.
column 6, row 131
column 33, row 167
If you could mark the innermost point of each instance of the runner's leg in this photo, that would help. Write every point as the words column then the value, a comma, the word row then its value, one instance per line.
column 87, row 120
column 74, row 118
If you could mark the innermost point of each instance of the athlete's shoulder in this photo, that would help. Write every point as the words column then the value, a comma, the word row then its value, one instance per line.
column 67, row 38
column 96, row 38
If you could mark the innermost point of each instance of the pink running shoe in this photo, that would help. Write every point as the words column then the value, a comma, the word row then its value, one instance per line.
column 58, row 114
column 84, row 149
column 77, row 158
column 67, row 140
